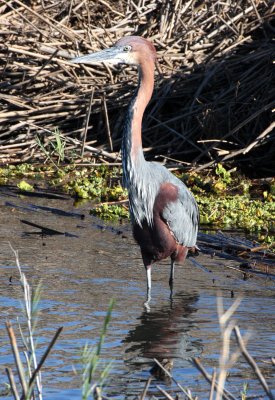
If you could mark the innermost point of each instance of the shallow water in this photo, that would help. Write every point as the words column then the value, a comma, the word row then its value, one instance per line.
column 93, row 263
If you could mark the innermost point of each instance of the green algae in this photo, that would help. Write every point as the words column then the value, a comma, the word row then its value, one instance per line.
column 226, row 199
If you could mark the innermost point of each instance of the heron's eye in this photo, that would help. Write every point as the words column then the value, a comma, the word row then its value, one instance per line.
column 127, row 48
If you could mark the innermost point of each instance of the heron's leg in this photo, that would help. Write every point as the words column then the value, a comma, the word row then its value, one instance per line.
column 149, row 282
column 171, row 279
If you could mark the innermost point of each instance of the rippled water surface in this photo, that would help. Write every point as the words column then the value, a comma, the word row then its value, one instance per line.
column 92, row 263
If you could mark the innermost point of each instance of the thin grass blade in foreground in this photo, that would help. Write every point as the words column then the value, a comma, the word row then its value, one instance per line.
column 91, row 385
column 30, row 310
column 33, row 379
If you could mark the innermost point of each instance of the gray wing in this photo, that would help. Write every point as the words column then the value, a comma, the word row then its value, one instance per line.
column 182, row 216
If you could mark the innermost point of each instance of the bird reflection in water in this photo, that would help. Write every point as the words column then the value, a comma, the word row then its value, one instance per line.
column 163, row 334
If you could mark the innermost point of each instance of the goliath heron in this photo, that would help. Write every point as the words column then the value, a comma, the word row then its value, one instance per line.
column 163, row 211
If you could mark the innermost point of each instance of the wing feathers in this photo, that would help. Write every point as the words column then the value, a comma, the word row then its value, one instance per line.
column 182, row 216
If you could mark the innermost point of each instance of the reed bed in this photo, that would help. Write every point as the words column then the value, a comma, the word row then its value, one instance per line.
column 213, row 99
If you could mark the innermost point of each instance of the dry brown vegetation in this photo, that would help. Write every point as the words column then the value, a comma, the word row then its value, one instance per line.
column 214, row 93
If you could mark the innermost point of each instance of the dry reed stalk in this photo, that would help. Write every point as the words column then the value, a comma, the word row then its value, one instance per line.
column 166, row 394
column 12, row 384
column 252, row 363
column 212, row 389
column 145, row 390
column 27, row 381
column 44, row 356
column 87, row 123
column 186, row 392
column 259, row 259
column 17, row 360
column 226, row 394
column 227, row 360
column 214, row 77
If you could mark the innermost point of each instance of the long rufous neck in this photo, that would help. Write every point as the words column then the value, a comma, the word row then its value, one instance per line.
column 132, row 137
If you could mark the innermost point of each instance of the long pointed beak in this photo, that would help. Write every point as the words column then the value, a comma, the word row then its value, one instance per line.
column 110, row 55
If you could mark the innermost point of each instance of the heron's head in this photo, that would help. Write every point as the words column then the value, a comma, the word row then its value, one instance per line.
column 131, row 50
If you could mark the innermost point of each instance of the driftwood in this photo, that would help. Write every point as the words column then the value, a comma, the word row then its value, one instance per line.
column 253, row 258
column 213, row 99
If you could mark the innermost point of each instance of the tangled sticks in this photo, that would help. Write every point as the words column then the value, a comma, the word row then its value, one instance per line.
column 213, row 100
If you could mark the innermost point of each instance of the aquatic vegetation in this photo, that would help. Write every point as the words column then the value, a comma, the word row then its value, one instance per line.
column 55, row 147
column 111, row 211
column 25, row 186
column 228, row 199
column 237, row 211
column 244, row 391
column 91, row 383
column 225, row 197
